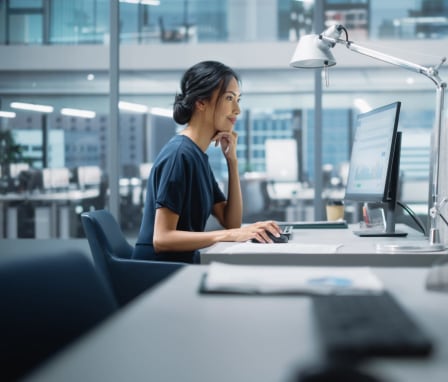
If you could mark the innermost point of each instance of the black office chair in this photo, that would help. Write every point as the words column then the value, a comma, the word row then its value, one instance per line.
column 47, row 300
column 112, row 255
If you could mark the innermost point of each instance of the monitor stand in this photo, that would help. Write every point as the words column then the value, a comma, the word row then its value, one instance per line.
column 389, row 229
column 391, row 203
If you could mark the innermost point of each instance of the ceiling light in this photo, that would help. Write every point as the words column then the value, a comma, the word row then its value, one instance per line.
column 145, row 2
column 32, row 107
column 161, row 112
column 134, row 107
column 362, row 105
column 78, row 113
column 7, row 114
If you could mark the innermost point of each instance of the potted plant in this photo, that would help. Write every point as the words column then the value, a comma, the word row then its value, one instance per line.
column 10, row 152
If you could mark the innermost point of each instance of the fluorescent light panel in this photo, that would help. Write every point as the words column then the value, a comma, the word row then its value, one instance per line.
column 162, row 112
column 134, row 107
column 362, row 105
column 7, row 114
column 146, row 2
column 32, row 107
column 78, row 113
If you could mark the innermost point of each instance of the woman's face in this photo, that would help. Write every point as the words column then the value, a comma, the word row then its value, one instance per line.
column 227, row 107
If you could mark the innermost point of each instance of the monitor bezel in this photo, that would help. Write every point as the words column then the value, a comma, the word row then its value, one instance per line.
column 386, row 194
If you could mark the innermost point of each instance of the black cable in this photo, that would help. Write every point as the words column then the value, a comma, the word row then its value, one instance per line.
column 341, row 27
column 413, row 216
column 443, row 218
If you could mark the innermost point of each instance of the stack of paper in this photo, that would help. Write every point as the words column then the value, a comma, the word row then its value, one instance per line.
column 290, row 279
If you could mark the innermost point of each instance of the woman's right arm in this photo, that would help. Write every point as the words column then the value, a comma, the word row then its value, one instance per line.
column 168, row 239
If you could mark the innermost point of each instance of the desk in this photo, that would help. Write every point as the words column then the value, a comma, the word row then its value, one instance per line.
column 51, row 211
column 176, row 334
column 354, row 250
column 18, row 247
column 298, row 200
column 296, row 190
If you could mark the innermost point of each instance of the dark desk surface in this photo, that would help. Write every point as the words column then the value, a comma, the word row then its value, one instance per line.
column 26, row 246
column 176, row 334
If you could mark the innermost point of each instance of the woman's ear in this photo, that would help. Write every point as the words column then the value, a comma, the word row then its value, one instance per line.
column 200, row 104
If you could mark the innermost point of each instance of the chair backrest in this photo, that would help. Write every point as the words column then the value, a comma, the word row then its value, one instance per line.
column 112, row 255
column 48, row 299
column 109, row 233
column 105, row 238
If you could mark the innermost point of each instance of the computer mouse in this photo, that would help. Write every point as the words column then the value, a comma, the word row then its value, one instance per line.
column 335, row 373
column 281, row 239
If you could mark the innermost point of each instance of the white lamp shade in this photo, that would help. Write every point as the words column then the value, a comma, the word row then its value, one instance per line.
column 312, row 52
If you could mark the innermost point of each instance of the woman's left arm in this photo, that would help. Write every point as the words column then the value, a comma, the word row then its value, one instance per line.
column 230, row 213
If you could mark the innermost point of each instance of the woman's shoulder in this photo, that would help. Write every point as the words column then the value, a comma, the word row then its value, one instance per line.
column 179, row 149
column 183, row 145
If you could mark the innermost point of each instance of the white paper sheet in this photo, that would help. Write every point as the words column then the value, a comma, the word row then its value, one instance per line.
column 290, row 279
column 248, row 247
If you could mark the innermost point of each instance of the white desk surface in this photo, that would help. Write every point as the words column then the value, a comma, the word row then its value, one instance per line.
column 176, row 334
column 353, row 250
column 51, row 196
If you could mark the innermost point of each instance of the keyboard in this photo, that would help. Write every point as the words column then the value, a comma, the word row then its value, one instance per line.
column 319, row 224
column 368, row 325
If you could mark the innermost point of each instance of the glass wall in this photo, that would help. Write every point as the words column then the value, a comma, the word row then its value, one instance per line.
column 79, row 22
column 202, row 21
column 68, row 76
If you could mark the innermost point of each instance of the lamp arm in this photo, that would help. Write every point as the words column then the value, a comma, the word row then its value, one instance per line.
column 430, row 72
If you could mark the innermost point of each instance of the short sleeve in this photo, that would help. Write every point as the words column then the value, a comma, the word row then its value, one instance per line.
column 171, row 185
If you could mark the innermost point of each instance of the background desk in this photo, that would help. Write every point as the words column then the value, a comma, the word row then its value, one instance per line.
column 356, row 251
column 176, row 334
column 51, row 211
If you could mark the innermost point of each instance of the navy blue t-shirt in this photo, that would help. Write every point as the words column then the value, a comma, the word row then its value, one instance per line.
column 181, row 179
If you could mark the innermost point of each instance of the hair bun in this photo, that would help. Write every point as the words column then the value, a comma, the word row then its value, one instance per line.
column 181, row 111
column 179, row 97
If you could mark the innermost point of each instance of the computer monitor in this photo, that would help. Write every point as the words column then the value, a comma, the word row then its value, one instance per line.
column 88, row 176
column 281, row 160
column 375, row 164
column 55, row 178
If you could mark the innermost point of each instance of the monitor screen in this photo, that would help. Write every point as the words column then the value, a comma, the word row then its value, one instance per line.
column 281, row 160
column 371, row 163
column 88, row 176
column 56, row 178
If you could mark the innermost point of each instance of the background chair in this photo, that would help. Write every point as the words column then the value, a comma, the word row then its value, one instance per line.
column 47, row 300
column 112, row 255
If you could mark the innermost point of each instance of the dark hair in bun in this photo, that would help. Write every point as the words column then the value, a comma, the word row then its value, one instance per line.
column 198, row 83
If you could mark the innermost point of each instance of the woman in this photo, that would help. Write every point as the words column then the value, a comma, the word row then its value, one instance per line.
column 182, row 191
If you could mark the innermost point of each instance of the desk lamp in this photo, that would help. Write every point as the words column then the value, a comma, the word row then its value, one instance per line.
column 313, row 51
